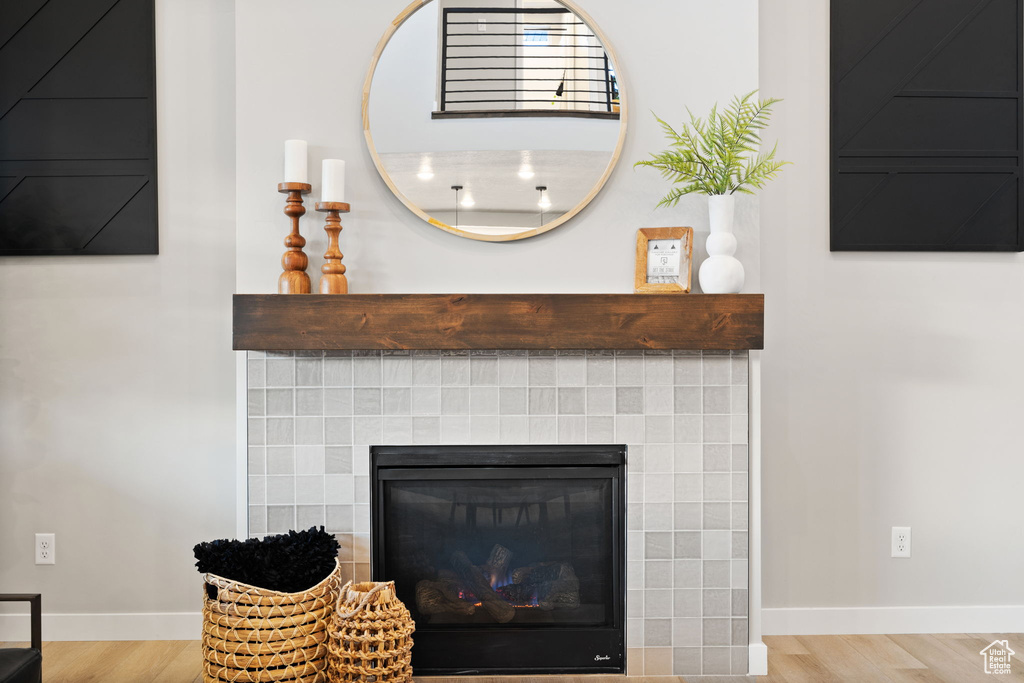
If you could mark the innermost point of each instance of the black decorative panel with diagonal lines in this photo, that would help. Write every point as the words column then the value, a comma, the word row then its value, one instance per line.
column 927, row 125
column 77, row 127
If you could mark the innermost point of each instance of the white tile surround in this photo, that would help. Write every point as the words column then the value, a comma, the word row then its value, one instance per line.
column 312, row 417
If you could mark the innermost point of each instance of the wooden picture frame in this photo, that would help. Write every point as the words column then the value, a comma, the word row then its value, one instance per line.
column 678, row 275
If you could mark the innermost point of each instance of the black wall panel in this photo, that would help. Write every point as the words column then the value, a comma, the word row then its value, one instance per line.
column 77, row 127
column 926, row 139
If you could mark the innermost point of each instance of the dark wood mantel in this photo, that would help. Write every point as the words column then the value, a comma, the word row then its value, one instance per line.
column 498, row 321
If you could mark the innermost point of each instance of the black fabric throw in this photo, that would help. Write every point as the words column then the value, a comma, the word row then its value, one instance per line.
column 291, row 562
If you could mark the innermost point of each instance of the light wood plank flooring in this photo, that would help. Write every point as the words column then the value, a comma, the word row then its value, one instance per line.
column 944, row 658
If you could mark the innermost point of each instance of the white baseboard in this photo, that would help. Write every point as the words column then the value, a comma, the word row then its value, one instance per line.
column 757, row 659
column 813, row 621
column 148, row 626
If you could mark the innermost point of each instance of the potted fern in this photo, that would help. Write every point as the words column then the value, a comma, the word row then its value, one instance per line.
column 719, row 156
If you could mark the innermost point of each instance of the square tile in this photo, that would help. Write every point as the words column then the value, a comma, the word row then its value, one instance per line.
column 635, row 604
column 717, row 602
column 368, row 430
column 739, row 545
column 572, row 429
column 309, row 516
column 657, row 661
column 426, row 400
column 397, row 401
column 484, row 429
column 717, row 429
column 571, row 401
column 686, row 602
column 455, row 371
column 256, row 402
column 367, row 371
column 688, row 487
column 280, row 518
column 689, row 458
column 256, row 432
column 280, row 460
column 426, row 429
column 542, row 401
column 717, row 486
column 687, row 574
column 629, row 428
column 257, row 460
column 280, row 490
column 310, row 460
column 338, row 431
column 309, row 489
column 338, row 518
column 280, row 431
column 717, row 400
column 717, row 632
column 339, row 489
column 739, row 486
column 657, row 603
column 309, row 431
column 717, row 661
column 658, row 429
column 338, row 401
column 717, row 515
column 571, row 371
column 513, row 371
column 455, row 429
column 629, row 400
column 657, row 632
column 658, row 545
column 337, row 372
column 717, row 545
column 717, row 573
column 739, row 459
column 397, row 371
column 657, row 574
column 739, row 633
column 515, row 429
column 687, row 545
column 686, row 661
column 717, row 370
column 309, row 372
column 629, row 371
column 280, row 402
column 309, row 402
column 281, row 372
column 512, row 400
column 600, row 429
column 600, row 370
column 455, row 400
column 256, row 374
column 740, row 513
column 686, row 632
column 688, row 429
column 366, row 401
column 739, row 660
column 483, row 401
column 658, row 517
column 688, row 516
column 338, row 459
column 542, row 371
column 739, row 603
column 426, row 371
column 657, row 488
column 543, row 430
column 600, row 400
column 634, row 516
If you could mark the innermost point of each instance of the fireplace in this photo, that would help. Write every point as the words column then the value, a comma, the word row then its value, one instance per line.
column 511, row 559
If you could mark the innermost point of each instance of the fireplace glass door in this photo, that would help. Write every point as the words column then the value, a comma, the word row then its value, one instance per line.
column 504, row 548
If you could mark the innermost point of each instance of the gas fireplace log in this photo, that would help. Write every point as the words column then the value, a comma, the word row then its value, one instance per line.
column 542, row 572
column 432, row 598
column 498, row 561
column 480, row 585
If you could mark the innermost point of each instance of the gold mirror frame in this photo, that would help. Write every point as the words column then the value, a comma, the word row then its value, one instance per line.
column 623, row 124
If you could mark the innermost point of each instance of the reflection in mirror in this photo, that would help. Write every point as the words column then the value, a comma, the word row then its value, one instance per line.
column 515, row 103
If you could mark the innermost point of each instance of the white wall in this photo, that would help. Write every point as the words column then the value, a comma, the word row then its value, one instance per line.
column 117, row 377
column 891, row 394
column 592, row 253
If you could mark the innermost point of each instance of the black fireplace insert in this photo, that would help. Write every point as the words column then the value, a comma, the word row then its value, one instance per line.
column 511, row 559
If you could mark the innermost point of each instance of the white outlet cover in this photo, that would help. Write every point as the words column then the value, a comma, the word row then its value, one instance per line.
column 46, row 549
column 901, row 541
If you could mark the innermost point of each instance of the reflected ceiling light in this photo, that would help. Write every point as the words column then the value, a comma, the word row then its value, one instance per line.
column 467, row 201
column 525, row 172
column 425, row 174
column 545, row 201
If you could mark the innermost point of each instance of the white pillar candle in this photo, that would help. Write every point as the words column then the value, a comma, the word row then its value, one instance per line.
column 295, row 167
column 333, row 181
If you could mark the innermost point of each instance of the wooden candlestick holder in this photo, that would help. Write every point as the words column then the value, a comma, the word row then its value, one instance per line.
column 333, row 280
column 294, row 279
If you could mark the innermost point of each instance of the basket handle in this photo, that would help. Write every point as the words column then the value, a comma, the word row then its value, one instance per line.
column 362, row 603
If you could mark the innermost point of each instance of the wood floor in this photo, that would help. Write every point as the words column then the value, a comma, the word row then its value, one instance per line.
column 945, row 658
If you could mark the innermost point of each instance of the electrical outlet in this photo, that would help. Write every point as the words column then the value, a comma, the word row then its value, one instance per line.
column 46, row 549
column 901, row 541
column 481, row 25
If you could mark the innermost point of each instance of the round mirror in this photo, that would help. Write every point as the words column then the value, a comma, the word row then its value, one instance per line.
column 494, row 119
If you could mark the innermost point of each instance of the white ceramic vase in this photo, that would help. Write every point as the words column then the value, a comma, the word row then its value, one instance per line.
column 721, row 272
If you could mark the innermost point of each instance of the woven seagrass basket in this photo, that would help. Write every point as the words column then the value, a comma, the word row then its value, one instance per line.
column 371, row 636
column 254, row 635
